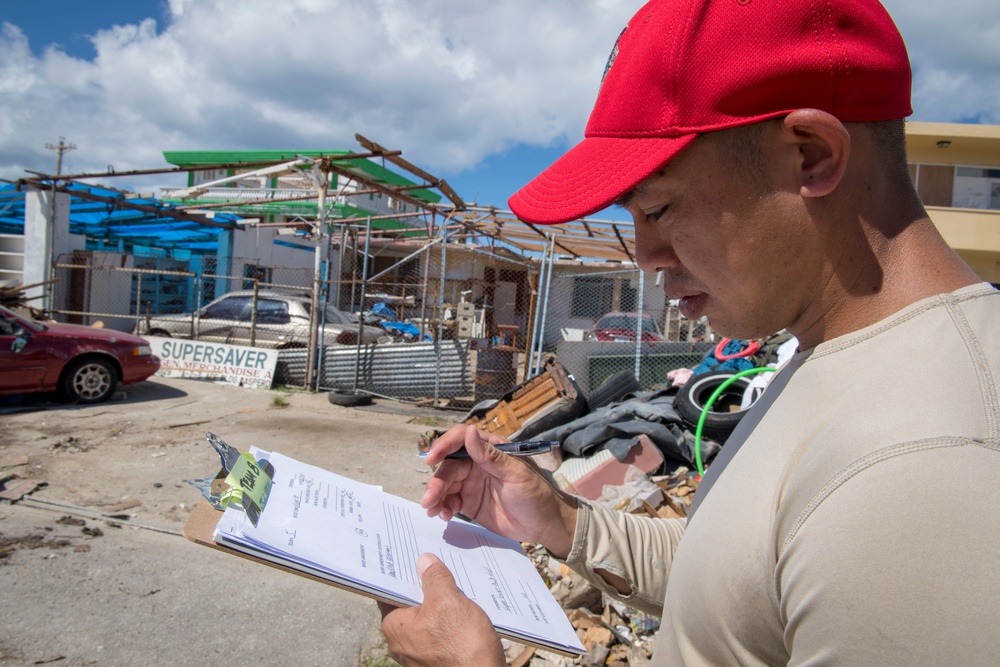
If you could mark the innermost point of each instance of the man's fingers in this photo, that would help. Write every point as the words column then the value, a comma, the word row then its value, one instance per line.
column 450, row 442
column 445, row 479
column 436, row 580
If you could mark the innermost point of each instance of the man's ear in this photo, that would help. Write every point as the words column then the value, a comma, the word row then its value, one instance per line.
column 824, row 147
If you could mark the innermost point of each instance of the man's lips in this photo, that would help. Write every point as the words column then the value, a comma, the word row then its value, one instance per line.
column 691, row 306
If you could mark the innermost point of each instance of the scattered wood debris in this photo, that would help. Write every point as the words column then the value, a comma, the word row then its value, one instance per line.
column 14, row 297
column 614, row 634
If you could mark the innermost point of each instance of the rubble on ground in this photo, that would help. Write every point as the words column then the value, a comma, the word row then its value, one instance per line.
column 613, row 633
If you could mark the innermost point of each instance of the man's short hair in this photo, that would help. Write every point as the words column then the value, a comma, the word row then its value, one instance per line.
column 740, row 150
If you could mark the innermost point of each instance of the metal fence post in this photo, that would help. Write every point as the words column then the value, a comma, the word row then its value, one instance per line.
column 196, row 311
column 253, row 315
column 138, row 301
column 364, row 289
column 441, row 292
column 545, row 303
column 638, row 326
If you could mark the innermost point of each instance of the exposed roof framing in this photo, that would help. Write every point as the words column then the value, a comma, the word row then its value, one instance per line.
column 609, row 240
column 393, row 157
column 501, row 230
column 199, row 167
column 123, row 200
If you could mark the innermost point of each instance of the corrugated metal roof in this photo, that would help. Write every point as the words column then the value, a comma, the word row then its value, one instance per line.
column 372, row 169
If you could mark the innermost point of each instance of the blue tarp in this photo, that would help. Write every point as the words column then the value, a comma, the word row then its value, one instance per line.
column 111, row 225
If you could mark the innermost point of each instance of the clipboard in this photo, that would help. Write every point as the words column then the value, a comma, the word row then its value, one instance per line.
column 201, row 525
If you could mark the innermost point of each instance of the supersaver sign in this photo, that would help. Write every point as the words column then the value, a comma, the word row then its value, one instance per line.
column 235, row 364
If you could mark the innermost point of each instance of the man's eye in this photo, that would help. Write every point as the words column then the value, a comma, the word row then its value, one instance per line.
column 657, row 214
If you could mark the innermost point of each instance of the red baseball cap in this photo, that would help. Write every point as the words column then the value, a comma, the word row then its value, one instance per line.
column 684, row 67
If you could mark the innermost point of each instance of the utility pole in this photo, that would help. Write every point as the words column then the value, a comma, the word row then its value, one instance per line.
column 60, row 150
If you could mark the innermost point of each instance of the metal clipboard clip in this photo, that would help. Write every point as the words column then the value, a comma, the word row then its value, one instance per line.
column 241, row 479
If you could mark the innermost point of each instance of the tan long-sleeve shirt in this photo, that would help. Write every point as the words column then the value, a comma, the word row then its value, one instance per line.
column 854, row 519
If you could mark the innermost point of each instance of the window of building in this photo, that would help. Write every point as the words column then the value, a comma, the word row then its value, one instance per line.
column 977, row 187
column 957, row 187
column 262, row 274
column 592, row 296
column 935, row 184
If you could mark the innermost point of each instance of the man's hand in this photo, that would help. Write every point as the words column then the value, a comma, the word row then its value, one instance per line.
column 447, row 629
column 506, row 494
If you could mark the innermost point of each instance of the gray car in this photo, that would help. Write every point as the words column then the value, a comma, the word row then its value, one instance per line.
column 280, row 320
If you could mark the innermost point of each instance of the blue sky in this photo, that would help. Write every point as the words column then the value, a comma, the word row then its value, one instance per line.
column 482, row 94
column 70, row 24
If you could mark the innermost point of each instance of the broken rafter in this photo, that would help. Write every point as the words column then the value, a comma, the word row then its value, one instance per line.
column 315, row 195
column 385, row 189
column 560, row 245
column 361, row 218
column 394, row 158
column 624, row 246
column 124, row 203
column 202, row 167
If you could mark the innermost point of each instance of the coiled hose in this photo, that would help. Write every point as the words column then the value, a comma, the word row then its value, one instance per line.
column 708, row 406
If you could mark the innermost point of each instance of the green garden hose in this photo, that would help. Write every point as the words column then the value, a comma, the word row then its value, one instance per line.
column 708, row 406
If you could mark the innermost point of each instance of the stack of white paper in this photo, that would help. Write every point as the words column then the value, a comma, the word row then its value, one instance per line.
column 361, row 537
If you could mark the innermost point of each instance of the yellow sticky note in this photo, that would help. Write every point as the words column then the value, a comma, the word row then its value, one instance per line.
column 247, row 478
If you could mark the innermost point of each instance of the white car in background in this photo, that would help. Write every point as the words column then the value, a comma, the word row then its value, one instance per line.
column 280, row 320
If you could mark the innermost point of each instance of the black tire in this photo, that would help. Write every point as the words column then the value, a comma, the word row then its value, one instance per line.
column 348, row 399
column 89, row 380
column 613, row 389
column 725, row 413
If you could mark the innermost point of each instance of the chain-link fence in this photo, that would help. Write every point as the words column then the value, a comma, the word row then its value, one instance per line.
column 420, row 322
column 603, row 322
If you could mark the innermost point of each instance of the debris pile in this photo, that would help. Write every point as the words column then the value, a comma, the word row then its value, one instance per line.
column 613, row 633
column 13, row 297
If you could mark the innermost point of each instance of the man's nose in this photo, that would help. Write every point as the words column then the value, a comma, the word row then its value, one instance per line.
column 653, row 252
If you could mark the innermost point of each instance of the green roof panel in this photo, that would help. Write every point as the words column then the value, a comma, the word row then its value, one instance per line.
column 372, row 169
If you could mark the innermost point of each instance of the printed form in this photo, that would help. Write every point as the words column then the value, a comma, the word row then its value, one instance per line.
column 319, row 521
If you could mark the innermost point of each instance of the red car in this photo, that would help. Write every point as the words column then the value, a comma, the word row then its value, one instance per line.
column 83, row 364
column 622, row 327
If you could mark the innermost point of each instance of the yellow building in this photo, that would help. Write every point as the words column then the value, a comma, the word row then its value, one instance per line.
column 957, row 171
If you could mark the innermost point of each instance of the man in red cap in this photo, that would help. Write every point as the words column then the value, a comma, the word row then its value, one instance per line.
column 759, row 146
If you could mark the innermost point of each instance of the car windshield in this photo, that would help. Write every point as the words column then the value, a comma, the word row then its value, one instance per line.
column 17, row 320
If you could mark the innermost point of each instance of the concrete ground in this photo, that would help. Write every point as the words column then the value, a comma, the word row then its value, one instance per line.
column 94, row 570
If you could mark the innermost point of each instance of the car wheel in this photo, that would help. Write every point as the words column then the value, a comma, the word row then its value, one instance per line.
column 89, row 380
column 348, row 399
column 613, row 389
column 724, row 414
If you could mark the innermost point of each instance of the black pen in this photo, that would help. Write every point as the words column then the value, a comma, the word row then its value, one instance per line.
column 513, row 448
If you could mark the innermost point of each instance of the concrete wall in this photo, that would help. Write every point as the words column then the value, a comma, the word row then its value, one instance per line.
column 46, row 236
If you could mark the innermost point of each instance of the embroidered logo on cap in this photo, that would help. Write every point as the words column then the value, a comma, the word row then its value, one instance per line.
column 614, row 54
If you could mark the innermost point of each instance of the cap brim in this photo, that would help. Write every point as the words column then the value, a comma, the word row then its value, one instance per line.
column 591, row 176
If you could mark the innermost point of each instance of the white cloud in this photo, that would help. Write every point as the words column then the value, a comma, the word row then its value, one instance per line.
column 446, row 81
column 955, row 55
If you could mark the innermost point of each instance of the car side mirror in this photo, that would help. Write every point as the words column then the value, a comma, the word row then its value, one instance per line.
column 18, row 343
